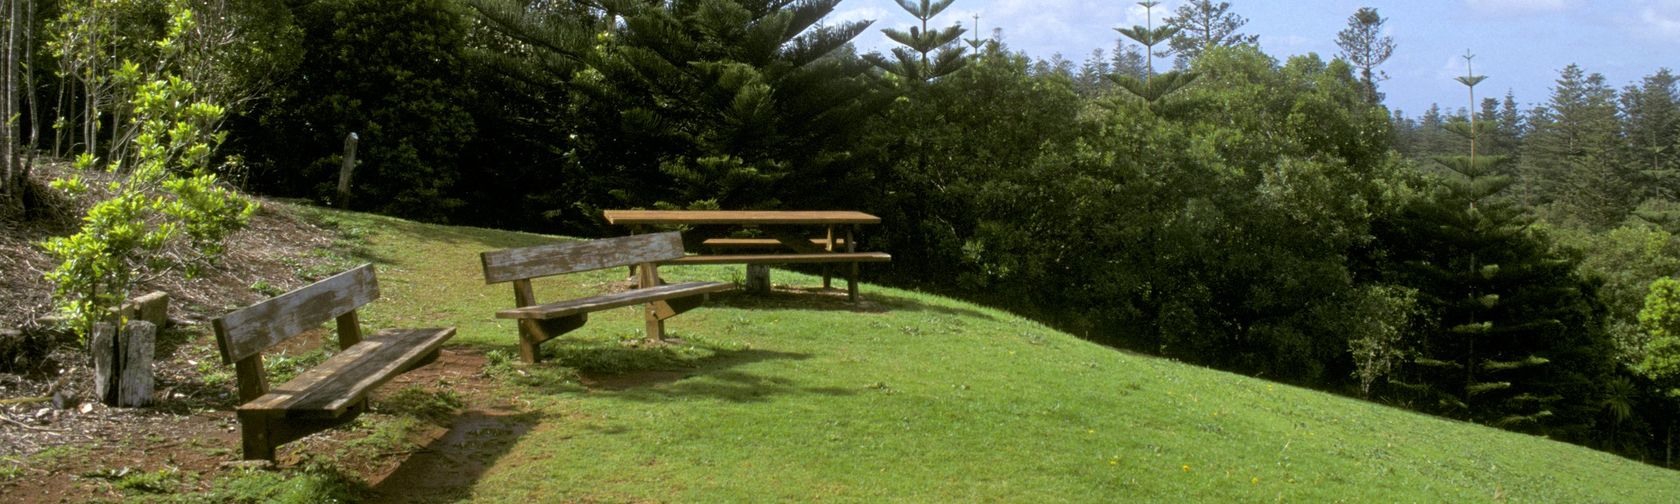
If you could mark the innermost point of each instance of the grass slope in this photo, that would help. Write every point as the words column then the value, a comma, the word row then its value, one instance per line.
column 804, row 397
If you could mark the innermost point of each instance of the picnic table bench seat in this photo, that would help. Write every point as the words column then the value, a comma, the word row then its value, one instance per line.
column 763, row 243
column 820, row 257
column 542, row 322
column 331, row 393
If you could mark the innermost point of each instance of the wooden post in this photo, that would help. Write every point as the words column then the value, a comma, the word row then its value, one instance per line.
column 648, row 277
column 344, row 171
column 349, row 330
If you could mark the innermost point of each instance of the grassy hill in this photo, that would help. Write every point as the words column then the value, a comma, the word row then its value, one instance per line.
column 801, row 396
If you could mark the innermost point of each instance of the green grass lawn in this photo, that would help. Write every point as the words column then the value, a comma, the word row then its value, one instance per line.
column 914, row 398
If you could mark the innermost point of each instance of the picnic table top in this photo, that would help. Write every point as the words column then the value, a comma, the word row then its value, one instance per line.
column 633, row 217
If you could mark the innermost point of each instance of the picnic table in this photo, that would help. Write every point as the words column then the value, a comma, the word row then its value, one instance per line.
column 786, row 238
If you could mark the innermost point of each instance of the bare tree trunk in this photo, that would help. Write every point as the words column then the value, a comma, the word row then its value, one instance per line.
column 60, row 124
column 8, row 110
column 30, row 91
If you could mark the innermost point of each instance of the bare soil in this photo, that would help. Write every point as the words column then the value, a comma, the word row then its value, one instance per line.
column 78, row 455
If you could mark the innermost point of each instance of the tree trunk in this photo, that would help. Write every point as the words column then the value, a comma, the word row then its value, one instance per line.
column 9, row 187
column 30, row 92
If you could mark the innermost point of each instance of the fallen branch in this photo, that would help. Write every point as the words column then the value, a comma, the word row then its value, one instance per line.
column 25, row 400
column 27, row 426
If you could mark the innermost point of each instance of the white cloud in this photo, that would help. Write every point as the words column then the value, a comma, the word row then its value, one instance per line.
column 1659, row 19
column 1521, row 6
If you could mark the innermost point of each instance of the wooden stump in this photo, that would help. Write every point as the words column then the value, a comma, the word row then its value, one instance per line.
column 122, row 363
column 139, row 339
column 152, row 308
column 758, row 278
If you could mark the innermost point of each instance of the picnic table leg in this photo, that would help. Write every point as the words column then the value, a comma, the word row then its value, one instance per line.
column 632, row 278
column 830, row 247
column 851, row 284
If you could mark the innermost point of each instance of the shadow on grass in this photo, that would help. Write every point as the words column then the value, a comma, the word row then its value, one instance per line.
column 684, row 370
column 446, row 469
column 731, row 386
column 819, row 299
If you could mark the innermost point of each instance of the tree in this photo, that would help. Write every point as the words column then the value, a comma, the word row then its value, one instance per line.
column 1364, row 44
column 1151, row 88
column 708, row 104
column 1515, row 339
column 1573, row 152
column 912, row 61
column 1092, row 79
column 1203, row 25
column 1128, row 61
column 390, row 71
column 12, row 174
column 1651, row 125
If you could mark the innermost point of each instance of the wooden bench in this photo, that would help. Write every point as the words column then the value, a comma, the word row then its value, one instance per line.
column 331, row 393
column 540, row 323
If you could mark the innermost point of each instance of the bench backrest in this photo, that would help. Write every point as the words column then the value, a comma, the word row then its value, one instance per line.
column 570, row 257
column 251, row 330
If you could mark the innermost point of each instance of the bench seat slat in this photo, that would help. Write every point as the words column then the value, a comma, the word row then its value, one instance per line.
column 783, row 258
column 331, row 387
column 626, row 298
column 761, row 242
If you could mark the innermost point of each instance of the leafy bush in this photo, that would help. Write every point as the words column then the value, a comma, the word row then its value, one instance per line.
column 166, row 196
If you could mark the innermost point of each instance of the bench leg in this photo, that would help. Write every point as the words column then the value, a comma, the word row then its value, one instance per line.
column 527, row 349
column 655, row 326
column 256, row 439
column 535, row 332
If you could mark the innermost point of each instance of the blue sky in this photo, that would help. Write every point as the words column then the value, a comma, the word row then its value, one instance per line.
column 1520, row 44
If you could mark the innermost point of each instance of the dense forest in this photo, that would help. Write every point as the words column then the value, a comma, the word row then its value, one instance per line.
column 1507, row 266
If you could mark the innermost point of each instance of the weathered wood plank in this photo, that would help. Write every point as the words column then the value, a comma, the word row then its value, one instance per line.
column 667, row 309
column 571, row 257
column 745, row 243
column 738, row 217
column 783, row 258
column 609, row 301
column 330, row 388
column 251, row 330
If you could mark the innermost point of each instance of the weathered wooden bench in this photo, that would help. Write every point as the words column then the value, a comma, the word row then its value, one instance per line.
column 540, row 323
column 331, row 393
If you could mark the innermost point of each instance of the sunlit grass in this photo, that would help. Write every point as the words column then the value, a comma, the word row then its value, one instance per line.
column 913, row 398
